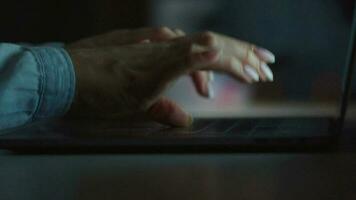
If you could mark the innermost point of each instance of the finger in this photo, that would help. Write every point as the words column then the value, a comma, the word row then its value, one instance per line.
column 179, row 32
column 235, row 68
column 223, row 63
column 205, row 54
column 213, row 60
column 170, row 113
column 244, row 51
column 200, row 81
column 203, row 81
column 250, row 60
column 162, row 34
column 256, row 58
column 265, row 55
column 268, row 57
column 202, row 58
column 267, row 71
column 207, row 39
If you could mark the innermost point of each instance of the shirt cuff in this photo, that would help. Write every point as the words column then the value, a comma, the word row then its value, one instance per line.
column 57, row 85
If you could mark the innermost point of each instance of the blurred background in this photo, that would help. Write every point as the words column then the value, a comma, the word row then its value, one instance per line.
column 309, row 39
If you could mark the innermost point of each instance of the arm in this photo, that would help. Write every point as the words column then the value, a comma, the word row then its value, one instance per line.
column 120, row 75
column 35, row 83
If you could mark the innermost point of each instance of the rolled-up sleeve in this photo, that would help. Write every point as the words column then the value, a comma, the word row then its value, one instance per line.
column 35, row 83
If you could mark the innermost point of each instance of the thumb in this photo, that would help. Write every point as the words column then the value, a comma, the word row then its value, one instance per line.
column 166, row 111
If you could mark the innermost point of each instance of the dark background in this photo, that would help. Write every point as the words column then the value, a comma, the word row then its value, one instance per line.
column 67, row 20
column 313, row 40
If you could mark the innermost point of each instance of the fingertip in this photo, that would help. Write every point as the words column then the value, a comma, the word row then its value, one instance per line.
column 163, row 33
column 236, row 69
column 268, row 72
column 252, row 73
column 179, row 32
column 170, row 113
column 204, row 83
column 200, row 82
column 265, row 55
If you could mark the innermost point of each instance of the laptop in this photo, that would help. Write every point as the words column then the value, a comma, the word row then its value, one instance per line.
column 297, row 133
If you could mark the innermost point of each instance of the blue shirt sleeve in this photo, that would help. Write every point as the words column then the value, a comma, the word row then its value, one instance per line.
column 35, row 83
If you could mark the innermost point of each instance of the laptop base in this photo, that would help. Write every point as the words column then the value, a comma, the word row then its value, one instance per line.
column 206, row 135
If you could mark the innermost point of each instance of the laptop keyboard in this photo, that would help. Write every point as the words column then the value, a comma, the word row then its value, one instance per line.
column 273, row 127
column 258, row 128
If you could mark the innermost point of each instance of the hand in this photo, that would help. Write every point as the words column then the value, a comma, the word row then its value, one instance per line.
column 201, row 79
column 127, row 81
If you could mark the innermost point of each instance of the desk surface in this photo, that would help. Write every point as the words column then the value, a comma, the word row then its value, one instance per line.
column 205, row 176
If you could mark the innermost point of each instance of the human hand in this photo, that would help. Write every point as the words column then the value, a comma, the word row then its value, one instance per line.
column 201, row 79
column 127, row 81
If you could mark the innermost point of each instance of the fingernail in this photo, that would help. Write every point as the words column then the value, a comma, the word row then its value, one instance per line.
column 210, row 87
column 211, row 93
column 252, row 73
column 267, row 71
column 211, row 76
column 266, row 55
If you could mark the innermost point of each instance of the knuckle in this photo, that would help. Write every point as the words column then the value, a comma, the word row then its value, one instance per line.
column 208, row 38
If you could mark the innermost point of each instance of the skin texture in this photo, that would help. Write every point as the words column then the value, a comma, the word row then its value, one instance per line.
column 123, row 74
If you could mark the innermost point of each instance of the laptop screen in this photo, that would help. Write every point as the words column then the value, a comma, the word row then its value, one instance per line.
column 309, row 38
